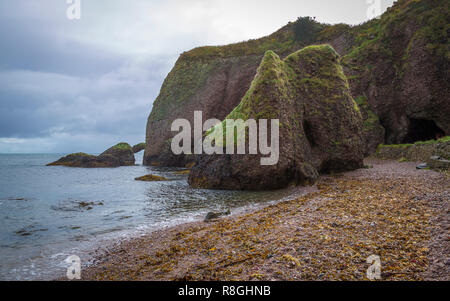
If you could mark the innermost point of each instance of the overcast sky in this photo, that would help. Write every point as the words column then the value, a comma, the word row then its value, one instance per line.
column 84, row 85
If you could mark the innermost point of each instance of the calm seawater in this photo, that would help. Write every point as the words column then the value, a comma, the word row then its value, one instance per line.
column 50, row 213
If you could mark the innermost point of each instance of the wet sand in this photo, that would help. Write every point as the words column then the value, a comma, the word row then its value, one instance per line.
column 390, row 210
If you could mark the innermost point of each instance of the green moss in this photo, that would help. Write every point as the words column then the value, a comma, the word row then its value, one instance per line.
column 371, row 120
column 122, row 146
column 441, row 140
column 140, row 145
column 329, row 33
column 407, row 145
column 81, row 155
column 373, row 39
column 444, row 139
column 151, row 178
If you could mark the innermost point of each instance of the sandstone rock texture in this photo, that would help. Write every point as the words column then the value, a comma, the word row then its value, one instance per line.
column 118, row 155
column 397, row 67
column 320, row 124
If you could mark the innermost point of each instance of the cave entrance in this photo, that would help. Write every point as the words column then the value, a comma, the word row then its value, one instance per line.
column 422, row 130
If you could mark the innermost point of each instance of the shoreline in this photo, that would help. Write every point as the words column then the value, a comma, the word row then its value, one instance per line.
column 325, row 234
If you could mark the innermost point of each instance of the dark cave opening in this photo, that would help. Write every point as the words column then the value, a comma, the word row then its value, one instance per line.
column 422, row 130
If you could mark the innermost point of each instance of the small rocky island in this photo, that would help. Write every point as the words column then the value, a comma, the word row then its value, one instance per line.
column 119, row 155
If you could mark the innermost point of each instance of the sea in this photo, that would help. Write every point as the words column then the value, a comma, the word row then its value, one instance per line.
column 48, row 214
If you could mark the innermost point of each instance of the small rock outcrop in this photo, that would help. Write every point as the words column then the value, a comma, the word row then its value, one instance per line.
column 123, row 152
column 138, row 147
column 320, row 124
column 118, row 155
column 86, row 161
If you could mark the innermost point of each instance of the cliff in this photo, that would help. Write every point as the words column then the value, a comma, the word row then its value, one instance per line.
column 397, row 67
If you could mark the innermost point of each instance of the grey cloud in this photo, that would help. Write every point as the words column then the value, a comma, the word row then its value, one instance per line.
column 83, row 85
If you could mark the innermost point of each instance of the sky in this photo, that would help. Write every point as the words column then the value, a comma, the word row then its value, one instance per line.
column 82, row 85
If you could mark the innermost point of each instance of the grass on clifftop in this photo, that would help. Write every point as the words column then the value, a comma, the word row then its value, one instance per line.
column 122, row 146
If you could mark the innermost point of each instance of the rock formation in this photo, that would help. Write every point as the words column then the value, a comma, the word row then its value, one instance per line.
column 118, row 155
column 397, row 66
column 320, row 124
column 138, row 147
column 86, row 161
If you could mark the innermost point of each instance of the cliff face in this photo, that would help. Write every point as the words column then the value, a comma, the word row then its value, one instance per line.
column 208, row 79
column 320, row 125
column 397, row 67
column 213, row 85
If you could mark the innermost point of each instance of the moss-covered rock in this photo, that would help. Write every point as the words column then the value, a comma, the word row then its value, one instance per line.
column 76, row 160
column 118, row 155
column 123, row 152
column 320, row 124
column 151, row 178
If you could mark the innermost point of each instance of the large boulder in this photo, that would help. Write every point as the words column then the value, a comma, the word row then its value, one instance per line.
column 320, row 124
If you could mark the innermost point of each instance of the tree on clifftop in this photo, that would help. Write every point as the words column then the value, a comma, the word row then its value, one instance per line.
column 305, row 29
